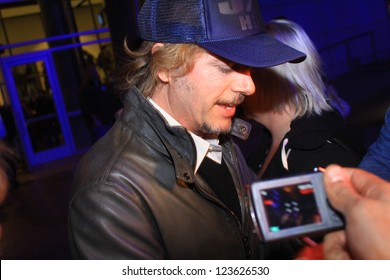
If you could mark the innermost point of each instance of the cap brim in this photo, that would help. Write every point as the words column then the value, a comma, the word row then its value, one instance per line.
column 260, row 50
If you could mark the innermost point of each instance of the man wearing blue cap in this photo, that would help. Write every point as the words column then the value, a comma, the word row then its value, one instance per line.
column 166, row 182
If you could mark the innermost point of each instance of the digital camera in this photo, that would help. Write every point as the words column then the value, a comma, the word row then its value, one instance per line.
column 292, row 207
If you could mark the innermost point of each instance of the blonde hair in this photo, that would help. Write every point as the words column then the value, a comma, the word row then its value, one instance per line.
column 299, row 85
column 141, row 68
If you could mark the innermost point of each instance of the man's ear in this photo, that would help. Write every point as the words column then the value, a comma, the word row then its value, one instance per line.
column 162, row 74
column 156, row 46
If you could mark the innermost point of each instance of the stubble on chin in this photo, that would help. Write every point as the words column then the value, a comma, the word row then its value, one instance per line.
column 208, row 131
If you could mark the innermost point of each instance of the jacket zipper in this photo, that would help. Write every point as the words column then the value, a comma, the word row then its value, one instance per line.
column 244, row 200
column 215, row 200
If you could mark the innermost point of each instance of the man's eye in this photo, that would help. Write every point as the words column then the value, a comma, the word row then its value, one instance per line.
column 240, row 68
column 225, row 69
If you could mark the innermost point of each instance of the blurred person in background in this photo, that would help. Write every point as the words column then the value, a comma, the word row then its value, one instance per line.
column 377, row 159
column 305, row 131
column 8, row 179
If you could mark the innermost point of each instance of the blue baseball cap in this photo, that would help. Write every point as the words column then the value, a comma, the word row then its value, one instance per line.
column 231, row 29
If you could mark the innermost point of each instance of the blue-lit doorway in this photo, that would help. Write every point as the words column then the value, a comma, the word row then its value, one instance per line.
column 38, row 107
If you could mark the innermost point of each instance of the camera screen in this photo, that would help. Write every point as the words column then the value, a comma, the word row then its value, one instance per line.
column 290, row 206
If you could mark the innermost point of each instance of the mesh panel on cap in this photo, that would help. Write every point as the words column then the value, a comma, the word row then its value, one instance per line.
column 172, row 21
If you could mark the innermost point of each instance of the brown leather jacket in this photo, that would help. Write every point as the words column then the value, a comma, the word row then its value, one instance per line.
column 135, row 196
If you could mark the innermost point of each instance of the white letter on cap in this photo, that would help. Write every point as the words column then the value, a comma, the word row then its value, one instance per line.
column 234, row 7
column 246, row 22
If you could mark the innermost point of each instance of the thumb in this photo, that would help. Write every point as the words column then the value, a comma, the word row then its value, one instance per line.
column 339, row 189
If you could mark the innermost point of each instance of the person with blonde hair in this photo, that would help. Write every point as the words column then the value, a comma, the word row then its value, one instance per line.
column 292, row 103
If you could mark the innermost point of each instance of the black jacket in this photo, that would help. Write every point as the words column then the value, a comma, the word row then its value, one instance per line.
column 314, row 141
column 135, row 195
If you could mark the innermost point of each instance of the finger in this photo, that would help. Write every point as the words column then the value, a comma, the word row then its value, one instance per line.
column 335, row 246
column 369, row 185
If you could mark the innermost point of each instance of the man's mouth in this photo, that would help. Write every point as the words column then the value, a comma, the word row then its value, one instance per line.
column 229, row 106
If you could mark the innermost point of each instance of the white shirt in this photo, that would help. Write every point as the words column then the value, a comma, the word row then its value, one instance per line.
column 209, row 148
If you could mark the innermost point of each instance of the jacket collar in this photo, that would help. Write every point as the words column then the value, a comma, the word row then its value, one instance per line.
column 175, row 142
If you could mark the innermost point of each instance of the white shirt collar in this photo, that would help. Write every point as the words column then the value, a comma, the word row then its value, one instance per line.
column 209, row 148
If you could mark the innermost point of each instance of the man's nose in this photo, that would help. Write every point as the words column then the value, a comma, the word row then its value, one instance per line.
column 245, row 84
